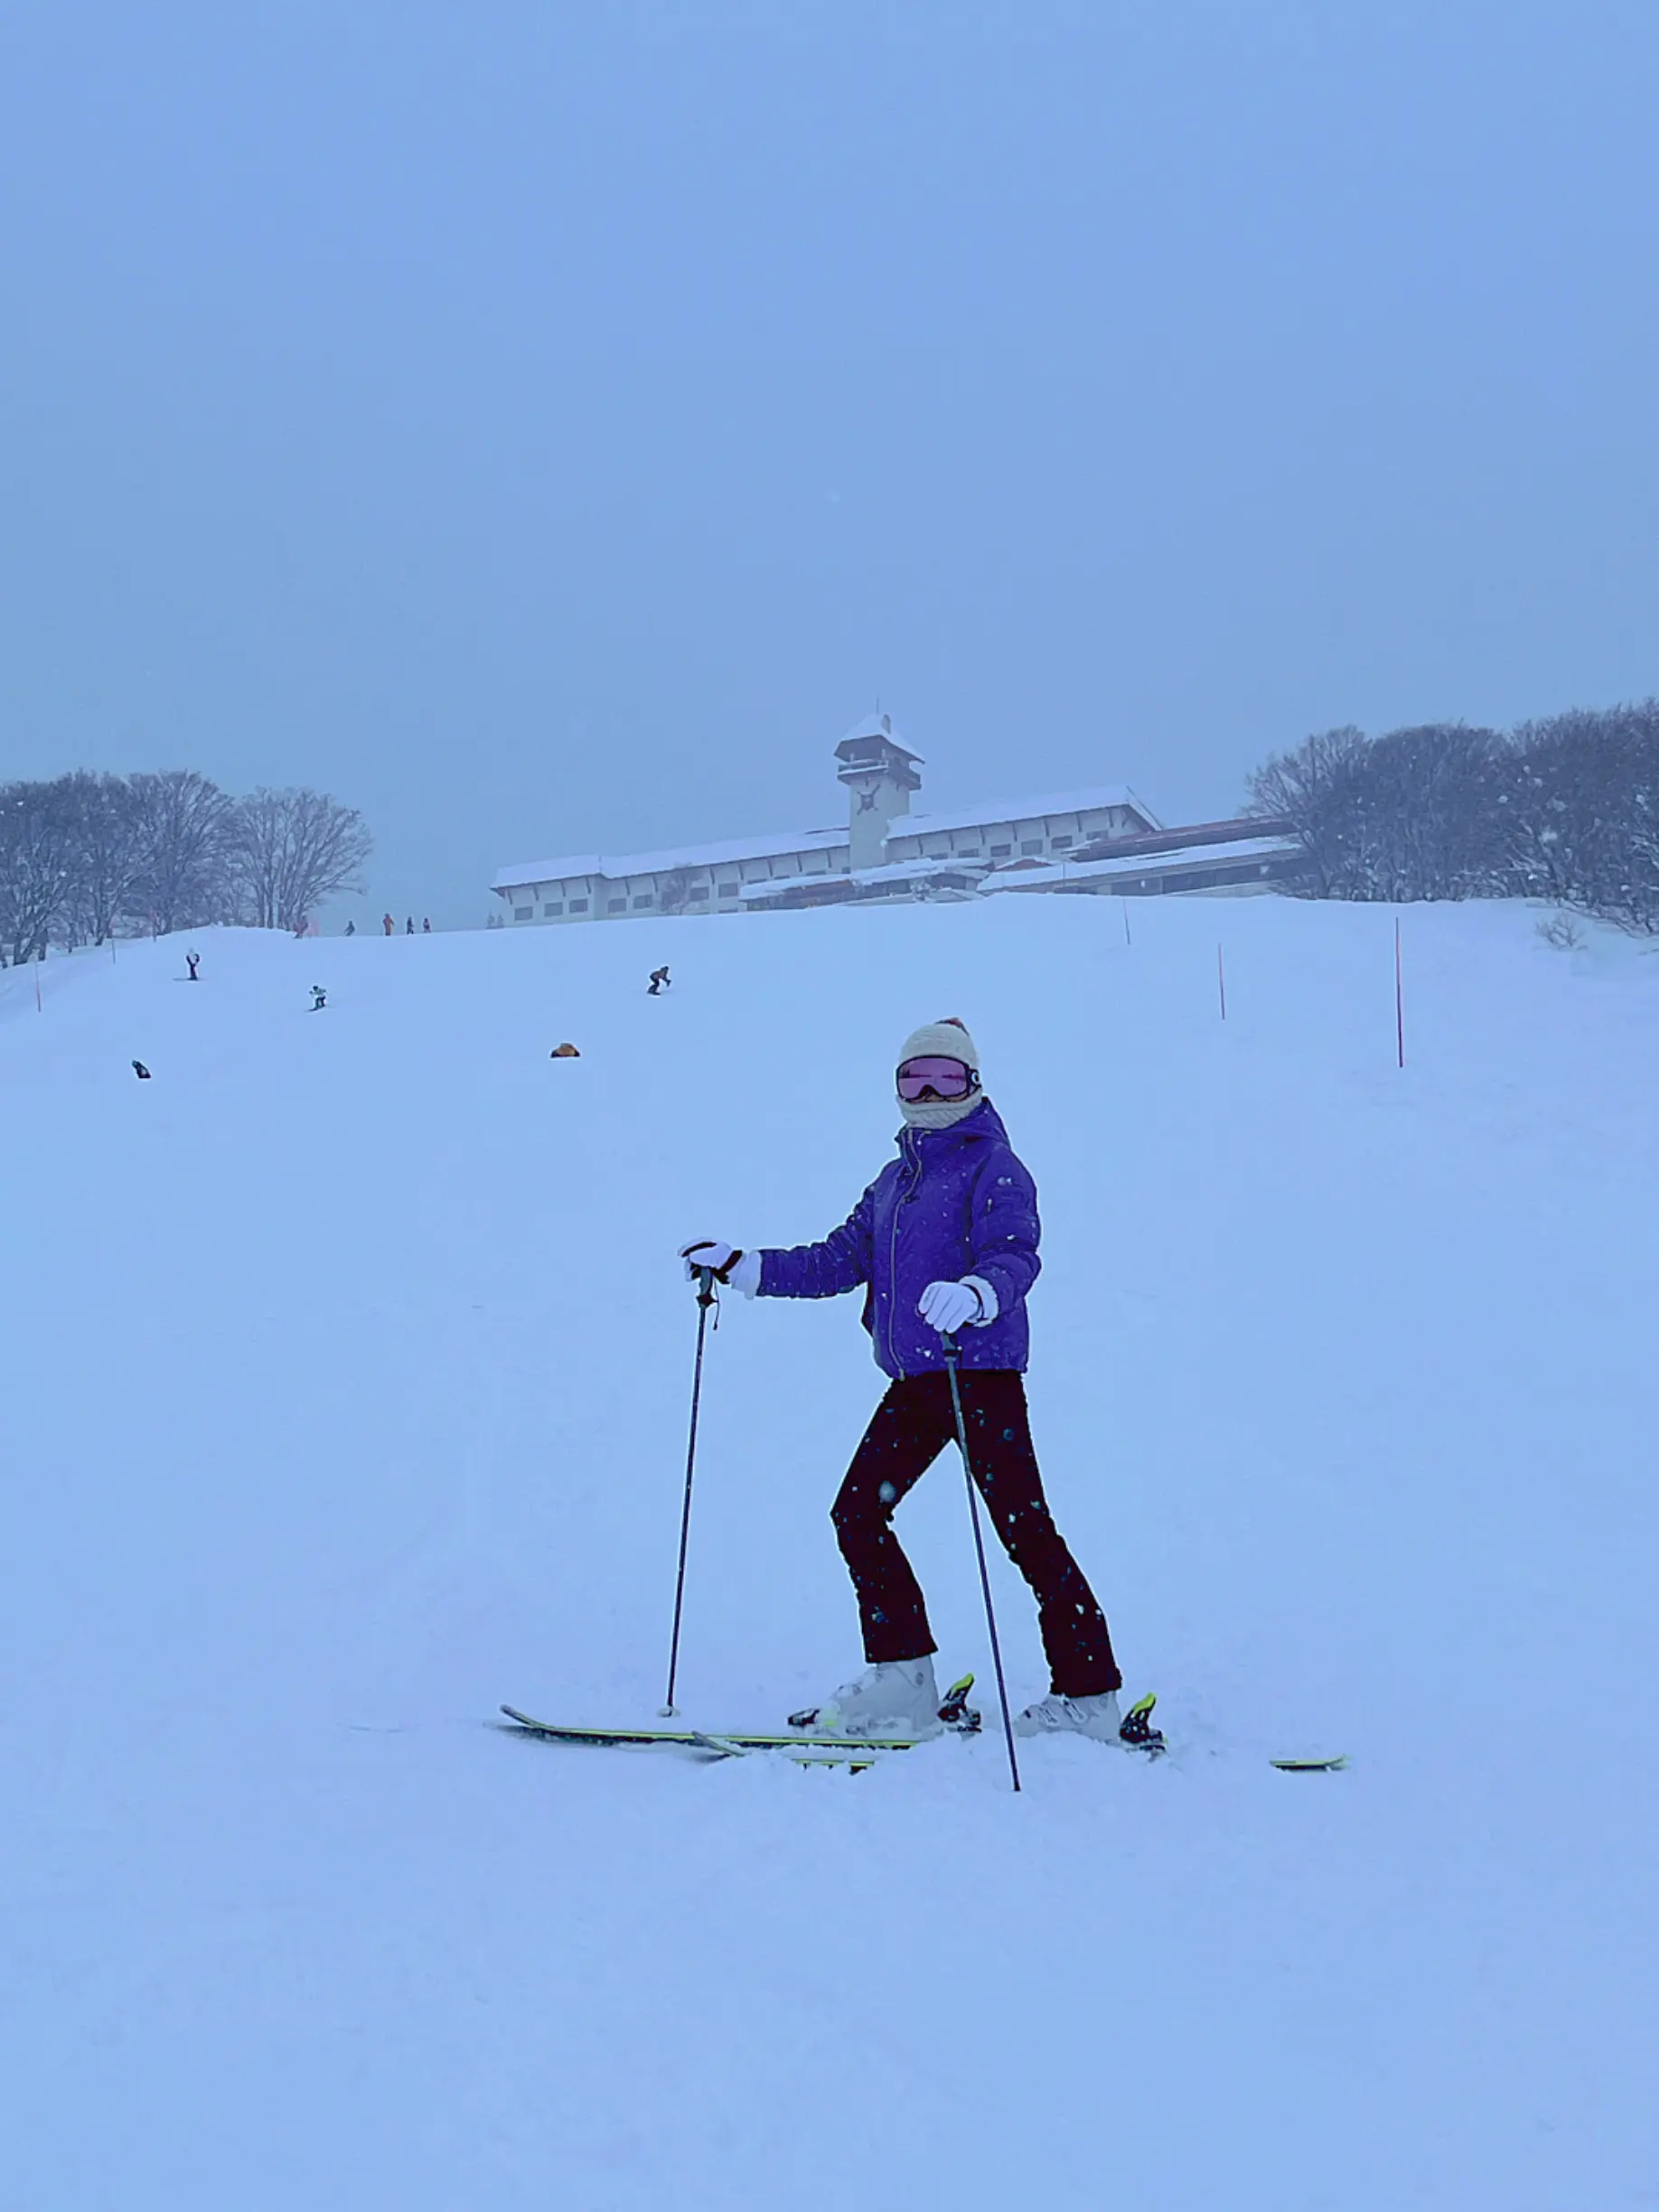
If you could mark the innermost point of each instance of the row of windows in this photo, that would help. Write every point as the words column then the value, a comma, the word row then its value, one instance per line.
column 553, row 909
column 1030, row 847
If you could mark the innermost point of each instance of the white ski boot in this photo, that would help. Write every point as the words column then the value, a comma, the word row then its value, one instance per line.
column 896, row 1698
column 1088, row 1716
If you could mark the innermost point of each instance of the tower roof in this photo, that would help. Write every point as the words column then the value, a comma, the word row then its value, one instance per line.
column 874, row 729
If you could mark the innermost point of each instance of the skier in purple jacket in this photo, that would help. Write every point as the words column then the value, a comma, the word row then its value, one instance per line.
column 943, row 1240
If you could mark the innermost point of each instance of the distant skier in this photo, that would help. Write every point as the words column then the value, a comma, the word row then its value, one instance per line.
column 388, row 925
column 564, row 1052
column 425, row 926
column 319, row 998
column 351, row 929
column 192, row 960
column 140, row 1070
column 658, row 979
column 945, row 1239
column 408, row 927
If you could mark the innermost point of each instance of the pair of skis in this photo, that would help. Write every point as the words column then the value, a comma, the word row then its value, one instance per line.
column 808, row 1747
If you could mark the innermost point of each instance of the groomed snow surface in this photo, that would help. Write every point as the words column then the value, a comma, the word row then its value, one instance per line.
column 347, row 1369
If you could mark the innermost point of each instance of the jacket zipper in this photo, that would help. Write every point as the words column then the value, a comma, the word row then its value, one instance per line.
column 899, row 1198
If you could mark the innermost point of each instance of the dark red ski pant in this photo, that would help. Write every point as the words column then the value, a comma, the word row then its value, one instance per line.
column 910, row 1428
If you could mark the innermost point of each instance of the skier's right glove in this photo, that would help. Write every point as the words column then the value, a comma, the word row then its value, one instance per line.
column 710, row 1252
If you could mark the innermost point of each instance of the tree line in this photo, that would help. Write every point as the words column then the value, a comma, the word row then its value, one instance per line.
column 1565, row 808
column 84, row 857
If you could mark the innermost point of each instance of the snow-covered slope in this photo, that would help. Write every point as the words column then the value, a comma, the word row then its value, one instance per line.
column 346, row 1372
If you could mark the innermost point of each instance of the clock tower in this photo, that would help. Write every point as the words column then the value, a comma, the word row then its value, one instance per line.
column 880, row 775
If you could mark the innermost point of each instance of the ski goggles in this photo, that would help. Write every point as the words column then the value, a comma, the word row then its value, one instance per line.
column 946, row 1078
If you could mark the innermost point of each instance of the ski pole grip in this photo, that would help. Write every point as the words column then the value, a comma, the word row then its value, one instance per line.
column 704, row 1286
column 954, row 1351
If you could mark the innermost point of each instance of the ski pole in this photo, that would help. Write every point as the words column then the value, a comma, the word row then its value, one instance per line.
column 953, row 1352
column 705, row 1300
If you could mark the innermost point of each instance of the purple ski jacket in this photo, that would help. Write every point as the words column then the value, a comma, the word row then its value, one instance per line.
column 956, row 1201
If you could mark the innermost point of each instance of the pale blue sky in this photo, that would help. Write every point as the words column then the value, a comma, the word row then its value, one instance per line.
column 547, row 427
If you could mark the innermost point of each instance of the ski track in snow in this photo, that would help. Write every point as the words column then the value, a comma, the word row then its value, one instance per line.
column 346, row 1375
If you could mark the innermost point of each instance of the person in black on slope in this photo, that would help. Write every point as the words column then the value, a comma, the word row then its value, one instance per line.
column 658, row 977
column 192, row 960
column 140, row 1070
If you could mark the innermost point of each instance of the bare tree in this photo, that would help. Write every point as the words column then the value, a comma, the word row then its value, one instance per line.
column 105, row 853
column 36, row 864
column 1309, row 789
column 289, row 850
column 180, row 877
column 674, row 891
column 1566, row 810
column 1584, row 811
column 1416, row 814
column 1426, row 815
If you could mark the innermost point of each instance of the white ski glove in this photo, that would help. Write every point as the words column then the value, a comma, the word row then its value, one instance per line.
column 730, row 1263
column 951, row 1305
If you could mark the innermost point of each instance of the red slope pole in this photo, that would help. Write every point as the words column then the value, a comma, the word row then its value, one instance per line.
column 1399, row 996
column 1220, row 979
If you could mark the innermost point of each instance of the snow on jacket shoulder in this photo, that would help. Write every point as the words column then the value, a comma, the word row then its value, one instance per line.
column 956, row 1201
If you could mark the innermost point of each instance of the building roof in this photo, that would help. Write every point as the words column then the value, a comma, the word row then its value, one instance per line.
column 1048, row 875
column 1020, row 810
column 614, row 867
column 1235, row 829
column 876, row 725
column 890, row 872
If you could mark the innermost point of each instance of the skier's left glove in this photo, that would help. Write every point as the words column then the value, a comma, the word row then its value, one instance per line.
column 951, row 1305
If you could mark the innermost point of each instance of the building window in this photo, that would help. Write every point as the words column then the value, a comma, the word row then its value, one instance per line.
column 578, row 905
column 698, row 891
column 644, row 899
column 553, row 906
column 524, row 914
column 1061, row 844
column 728, row 890
column 1030, row 845
column 616, row 905
column 967, row 852
column 1000, row 852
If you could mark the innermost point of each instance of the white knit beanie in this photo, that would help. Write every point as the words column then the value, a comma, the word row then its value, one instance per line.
column 942, row 1040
